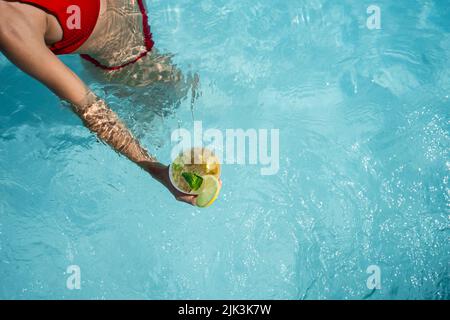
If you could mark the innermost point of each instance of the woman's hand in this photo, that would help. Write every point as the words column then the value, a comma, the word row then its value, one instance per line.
column 161, row 173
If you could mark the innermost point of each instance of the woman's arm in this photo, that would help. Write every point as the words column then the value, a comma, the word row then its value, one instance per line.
column 23, row 44
column 99, row 118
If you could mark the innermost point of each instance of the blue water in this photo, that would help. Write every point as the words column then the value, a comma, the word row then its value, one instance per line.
column 364, row 140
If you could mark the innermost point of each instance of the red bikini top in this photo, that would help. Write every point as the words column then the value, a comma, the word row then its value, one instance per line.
column 76, row 17
column 76, row 32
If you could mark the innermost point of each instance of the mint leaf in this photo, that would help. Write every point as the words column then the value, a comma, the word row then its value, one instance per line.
column 194, row 181
column 177, row 166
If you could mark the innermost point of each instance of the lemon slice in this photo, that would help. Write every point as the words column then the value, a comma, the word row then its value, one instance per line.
column 208, row 191
column 212, row 169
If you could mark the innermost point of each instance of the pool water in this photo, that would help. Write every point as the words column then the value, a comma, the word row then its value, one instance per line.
column 363, row 181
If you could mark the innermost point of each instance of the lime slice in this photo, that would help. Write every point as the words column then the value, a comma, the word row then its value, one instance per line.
column 208, row 191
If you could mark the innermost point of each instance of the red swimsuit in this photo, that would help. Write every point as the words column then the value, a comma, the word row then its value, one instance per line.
column 74, row 37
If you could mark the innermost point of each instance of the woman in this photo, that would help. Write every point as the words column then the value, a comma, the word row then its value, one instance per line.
column 112, row 36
